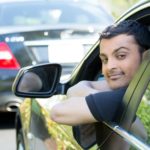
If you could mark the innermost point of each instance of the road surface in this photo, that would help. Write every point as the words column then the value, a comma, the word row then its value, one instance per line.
column 7, row 132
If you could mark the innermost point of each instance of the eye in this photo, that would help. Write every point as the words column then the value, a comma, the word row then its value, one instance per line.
column 121, row 56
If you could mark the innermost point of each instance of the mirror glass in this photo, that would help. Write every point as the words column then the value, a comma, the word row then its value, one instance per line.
column 38, row 79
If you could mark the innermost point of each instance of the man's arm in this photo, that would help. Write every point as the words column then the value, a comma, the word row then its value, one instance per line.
column 73, row 111
column 84, row 88
column 80, row 110
column 74, row 105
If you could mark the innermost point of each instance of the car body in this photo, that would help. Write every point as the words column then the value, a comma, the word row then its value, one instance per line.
column 31, row 35
column 35, row 129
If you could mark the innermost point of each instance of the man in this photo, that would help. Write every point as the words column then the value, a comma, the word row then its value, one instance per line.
column 121, row 49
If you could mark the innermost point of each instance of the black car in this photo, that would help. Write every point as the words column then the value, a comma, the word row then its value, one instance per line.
column 13, row 56
column 35, row 129
column 39, row 31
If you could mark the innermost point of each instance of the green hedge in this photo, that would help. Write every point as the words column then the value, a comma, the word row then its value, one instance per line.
column 144, row 115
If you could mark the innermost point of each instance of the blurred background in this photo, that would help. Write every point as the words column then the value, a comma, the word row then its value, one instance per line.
column 117, row 7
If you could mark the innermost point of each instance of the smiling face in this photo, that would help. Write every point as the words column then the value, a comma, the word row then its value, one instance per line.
column 120, row 58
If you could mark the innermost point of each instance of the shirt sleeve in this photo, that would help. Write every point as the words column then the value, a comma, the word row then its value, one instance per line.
column 104, row 105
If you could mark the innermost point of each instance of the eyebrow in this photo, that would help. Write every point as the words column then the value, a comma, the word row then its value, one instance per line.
column 115, row 51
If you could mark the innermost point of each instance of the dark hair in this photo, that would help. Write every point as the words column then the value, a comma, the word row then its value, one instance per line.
column 129, row 27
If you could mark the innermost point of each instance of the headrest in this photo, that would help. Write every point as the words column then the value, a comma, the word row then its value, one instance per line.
column 146, row 54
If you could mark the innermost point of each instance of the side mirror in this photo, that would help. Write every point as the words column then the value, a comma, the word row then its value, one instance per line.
column 37, row 81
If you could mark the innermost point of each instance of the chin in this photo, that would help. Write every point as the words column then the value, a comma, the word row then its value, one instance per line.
column 117, row 86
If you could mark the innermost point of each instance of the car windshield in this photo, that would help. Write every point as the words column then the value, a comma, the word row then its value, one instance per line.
column 28, row 14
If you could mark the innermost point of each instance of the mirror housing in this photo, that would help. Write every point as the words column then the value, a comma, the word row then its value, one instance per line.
column 37, row 81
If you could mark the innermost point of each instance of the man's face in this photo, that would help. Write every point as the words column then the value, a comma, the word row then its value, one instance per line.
column 120, row 58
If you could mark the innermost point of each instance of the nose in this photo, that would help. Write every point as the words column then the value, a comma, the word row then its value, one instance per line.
column 111, row 64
